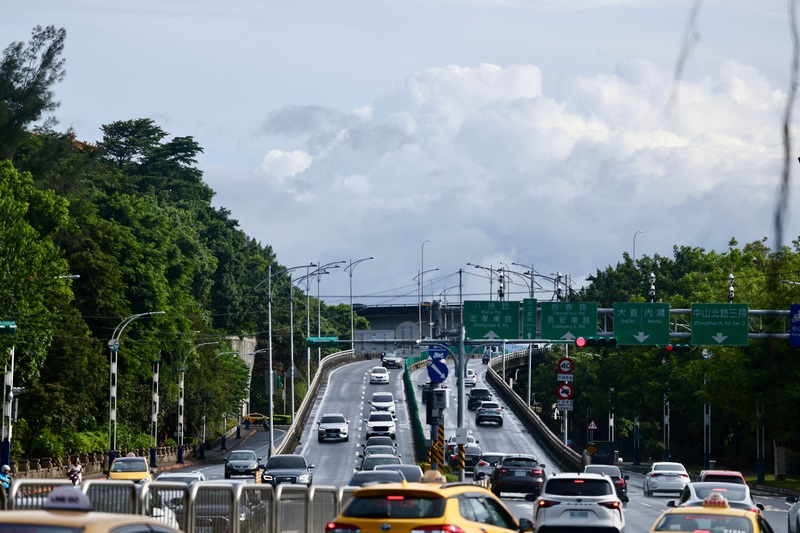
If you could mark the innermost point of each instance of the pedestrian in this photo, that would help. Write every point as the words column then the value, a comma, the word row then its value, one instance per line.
column 75, row 473
column 5, row 477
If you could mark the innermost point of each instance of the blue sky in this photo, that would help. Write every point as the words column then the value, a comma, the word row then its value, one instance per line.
column 538, row 132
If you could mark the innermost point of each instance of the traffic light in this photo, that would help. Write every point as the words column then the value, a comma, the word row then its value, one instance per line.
column 678, row 347
column 608, row 342
column 501, row 286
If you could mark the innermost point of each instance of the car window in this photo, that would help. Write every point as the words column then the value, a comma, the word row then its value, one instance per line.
column 491, row 459
column 241, row 456
column 286, row 462
column 670, row 467
column 578, row 487
column 333, row 419
column 723, row 479
column 394, row 506
column 708, row 522
column 129, row 466
column 382, row 398
column 729, row 493
column 521, row 461
column 381, row 417
column 474, row 509
column 612, row 471
column 500, row 516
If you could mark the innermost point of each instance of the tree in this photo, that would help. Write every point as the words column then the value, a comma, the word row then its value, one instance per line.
column 27, row 74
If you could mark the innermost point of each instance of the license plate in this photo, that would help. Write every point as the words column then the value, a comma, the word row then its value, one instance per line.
column 519, row 473
column 582, row 515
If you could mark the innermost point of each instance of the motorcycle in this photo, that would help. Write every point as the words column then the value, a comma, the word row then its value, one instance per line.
column 266, row 424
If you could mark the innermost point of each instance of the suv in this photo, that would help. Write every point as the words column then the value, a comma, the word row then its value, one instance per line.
column 381, row 423
column 489, row 412
column 333, row 426
column 489, row 353
column 580, row 502
column 476, row 396
column 287, row 468
column 518, row 473
column 620, row 480
column 391, row 360
column 431, row 506
column 383, row 401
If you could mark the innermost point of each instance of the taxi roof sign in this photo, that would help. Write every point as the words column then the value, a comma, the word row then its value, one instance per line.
column 67, row 498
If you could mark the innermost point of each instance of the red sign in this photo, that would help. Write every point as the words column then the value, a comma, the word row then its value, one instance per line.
column 564, row 391
column 566, row 365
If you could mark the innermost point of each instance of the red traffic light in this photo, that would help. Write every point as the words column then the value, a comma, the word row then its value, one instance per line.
column 669, row 347
column 580, row 342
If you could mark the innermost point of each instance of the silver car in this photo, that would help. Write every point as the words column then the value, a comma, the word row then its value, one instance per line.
column 665, row 477
column 333, row 426
column 738, row 495
column 486, row 464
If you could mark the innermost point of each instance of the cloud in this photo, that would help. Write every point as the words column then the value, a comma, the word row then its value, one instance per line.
column 281, row 165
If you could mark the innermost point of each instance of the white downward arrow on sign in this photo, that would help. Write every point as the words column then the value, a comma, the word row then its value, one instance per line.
column 641, row 337
column 719, row 337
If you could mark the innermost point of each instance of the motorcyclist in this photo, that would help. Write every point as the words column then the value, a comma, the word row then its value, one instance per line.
column 5, row 477
column 266, row 423
column 75, row 473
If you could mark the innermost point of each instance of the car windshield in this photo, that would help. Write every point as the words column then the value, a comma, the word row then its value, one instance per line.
column 371, row 476
column 724, row 478
column 729, row 493
column 490, row 405
column 372, row 460
column 479, row 393
column 382, row 398
column 279, row 461
column 526, row 462
column 707, row 522
column 394, row 505
column 379, row 449
column 379, row 370
column 578, row 487
column 673, row 467
column 242, row 456
column 612, row 471
column 136, row 465
column 381, row 417
column 491, row 459
column 330, row 419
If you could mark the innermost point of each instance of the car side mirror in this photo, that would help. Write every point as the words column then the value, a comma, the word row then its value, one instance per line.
column 525, row 524
column 791, row 499
column 310, row 466
column 626, row 477
column 530, row 498
column 760, row 506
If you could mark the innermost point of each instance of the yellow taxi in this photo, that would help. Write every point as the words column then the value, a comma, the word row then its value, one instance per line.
column 425, row 506
column 68, row 509
column 135, row 469
column 714, row 515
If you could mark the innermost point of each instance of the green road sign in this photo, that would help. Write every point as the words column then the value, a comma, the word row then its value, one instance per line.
column 491, row 320
column 640, row 323
column 320, row 342
column 528, row 319
column 8, row 327
column 569, row 320
column 720, row 324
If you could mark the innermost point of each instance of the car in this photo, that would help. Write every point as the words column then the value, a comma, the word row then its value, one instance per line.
column 619, row 479
column 135, row 469
column 412, row 473
column 723, row 476
column 287, row 468
column 370, row 462
column 432, row 506
column 489, row 412
column 392, row 360
column 182, row 477
column 486, row 465
column 793, row 516
column 715, row 514
column 241, row 463
column 578, row 502
column 489, row 353
column 738, row 495
column 333, row 426
column 518, row 472
column 378, row 375
column 383, row 401
column 450, row 445
column 213, row 507
column 364, row 477
column 472, row 454
column 471, row 378
column 665, row 477
column 381, row 423
column 379, row 448
column 476, row 396
column 67, row 508
column 378, row 440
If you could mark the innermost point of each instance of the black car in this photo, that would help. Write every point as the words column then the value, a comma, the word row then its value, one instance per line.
column 620, row 480
column 241, row 463
column 287, row 468
column 472, row 455
column 518, row 473
column 476, row 397
column 368, row 477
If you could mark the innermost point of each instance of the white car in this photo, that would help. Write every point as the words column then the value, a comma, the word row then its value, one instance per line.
column 383, row 401
column 471, row 379
column 333, row 426
column 665, row 477
column 378, row 375
column 381, row 423
column 578, row 502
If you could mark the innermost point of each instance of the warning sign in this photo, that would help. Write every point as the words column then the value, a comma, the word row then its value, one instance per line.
column 592, row 425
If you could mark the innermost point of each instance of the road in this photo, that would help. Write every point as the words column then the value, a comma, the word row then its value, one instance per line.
column 348, row 391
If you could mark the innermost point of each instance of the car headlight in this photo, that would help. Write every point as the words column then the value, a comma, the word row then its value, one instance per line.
column 304, row 478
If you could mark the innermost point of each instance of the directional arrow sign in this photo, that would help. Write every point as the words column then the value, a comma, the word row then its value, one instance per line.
column 491, row 320
column 437, row 371
column 641, row 323
column 564, row 391
column 569, row 320
column 720, row 324
column 437, row 352
column 529, row 319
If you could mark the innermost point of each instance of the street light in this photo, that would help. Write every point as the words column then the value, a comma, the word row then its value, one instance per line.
column 318, row 272
column 488, row 269
column 418, row 278
column 529, row 272
column 634, row 246
column 268, row 281
column 350, row 267
column 420, row 285
column 181, row 397
column 113, row 346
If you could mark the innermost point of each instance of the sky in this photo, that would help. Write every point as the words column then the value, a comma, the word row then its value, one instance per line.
column 442, row 134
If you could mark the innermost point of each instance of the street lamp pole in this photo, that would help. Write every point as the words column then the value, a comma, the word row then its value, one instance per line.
column 181, row 390
column 318, row 272
column 268, row 281
column 634, row 246
column 417, row 278
column 113, row 346
column 420, row 286
column 350, row 268
column 488, row 269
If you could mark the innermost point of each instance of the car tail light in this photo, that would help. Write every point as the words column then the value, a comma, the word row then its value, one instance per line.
column 619, row 482
column 537, row 472
column 445, row 528
column 685, row 475
column 503, row 470
column 482, row 463
column 335, row 527
column 611, row 505
column 543, row 504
